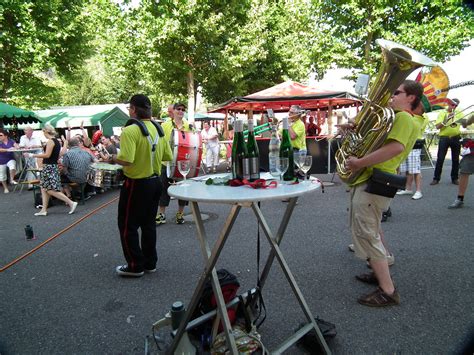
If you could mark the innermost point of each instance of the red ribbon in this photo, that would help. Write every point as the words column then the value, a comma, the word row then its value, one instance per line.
column 257, row 184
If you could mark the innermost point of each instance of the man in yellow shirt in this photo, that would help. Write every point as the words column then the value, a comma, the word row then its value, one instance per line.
column 297, row 129
column 142, row 151
column 466, row 167
column 449, row 137
column 367, row 207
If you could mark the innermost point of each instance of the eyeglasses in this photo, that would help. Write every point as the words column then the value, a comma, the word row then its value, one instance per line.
column 180, row 109
column 397, row 92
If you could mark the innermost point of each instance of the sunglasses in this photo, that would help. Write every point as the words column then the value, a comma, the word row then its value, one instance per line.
column 398, row 92
column 180, row 109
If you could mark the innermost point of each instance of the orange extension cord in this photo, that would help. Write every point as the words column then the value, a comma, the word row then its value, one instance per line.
column 57, row 234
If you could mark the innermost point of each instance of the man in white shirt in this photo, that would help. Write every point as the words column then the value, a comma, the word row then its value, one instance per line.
column 211, row 139
column 28, row 141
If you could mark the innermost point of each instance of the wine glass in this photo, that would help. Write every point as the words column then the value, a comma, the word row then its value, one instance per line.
column 274, row 166
column 307, row 162
column 298, row 158
column 283, row 163
column 184, row 166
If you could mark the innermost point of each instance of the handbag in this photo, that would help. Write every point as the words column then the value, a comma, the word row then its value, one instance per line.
column 385, row 184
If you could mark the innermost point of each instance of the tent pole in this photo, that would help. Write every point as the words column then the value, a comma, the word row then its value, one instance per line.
column 329, row 118
column 226, row 125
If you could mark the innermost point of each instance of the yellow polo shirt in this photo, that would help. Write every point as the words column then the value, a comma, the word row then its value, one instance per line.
column 136, row 149
column 404, row 131
column 449, row 131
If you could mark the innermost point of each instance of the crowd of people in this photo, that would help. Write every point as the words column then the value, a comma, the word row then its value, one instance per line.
column 55, row 163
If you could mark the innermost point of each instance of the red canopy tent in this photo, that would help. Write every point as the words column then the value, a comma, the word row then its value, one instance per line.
column 280, row 97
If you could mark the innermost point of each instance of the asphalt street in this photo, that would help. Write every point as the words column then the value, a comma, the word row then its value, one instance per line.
column 65, row 298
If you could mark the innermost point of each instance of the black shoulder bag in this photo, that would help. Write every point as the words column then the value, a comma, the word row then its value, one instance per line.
column 385, row 184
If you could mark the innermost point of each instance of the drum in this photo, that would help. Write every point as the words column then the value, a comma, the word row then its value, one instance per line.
column 185, row 146
column 105, row 175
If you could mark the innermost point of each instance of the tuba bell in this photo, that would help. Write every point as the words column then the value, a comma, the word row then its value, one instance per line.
column 374, row 121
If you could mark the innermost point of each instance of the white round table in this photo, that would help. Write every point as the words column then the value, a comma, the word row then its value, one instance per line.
column 242, row 196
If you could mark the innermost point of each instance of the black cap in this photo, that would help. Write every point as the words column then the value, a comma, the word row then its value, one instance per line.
column 140, row 100
column 178, row 104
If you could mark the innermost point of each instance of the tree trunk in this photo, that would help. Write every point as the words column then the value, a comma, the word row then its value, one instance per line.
column 191, row 101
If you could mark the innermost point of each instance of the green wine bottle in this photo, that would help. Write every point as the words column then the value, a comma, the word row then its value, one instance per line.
column 286, row 151
column 239, row 151
column 253, row 155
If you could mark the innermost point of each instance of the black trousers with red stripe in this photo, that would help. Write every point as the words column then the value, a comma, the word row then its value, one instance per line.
column 137, row 209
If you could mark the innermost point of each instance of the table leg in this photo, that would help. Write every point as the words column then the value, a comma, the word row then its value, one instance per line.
column 276, row 252
column 210, row 258
column 281, row 230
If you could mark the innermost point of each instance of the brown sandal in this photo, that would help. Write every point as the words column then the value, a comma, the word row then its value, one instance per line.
column 379, row 298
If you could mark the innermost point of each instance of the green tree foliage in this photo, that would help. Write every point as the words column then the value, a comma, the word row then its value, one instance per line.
column 100, row 51
column 438, row 28
column 38, row 39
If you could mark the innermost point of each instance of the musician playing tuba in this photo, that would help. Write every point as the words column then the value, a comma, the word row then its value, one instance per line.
column 449, row 137
column 373, row 190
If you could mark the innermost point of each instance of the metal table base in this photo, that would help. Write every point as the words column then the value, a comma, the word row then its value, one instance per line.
column 211, row 257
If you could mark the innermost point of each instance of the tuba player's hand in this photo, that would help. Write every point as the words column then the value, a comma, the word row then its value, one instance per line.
column 353, row 164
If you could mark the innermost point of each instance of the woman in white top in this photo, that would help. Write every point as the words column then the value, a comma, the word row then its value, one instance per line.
column 211, row 139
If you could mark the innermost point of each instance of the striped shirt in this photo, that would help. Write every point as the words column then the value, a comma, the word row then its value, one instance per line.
column 77, row 162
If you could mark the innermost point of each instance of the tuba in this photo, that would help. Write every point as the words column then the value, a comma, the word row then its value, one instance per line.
column 374, row 121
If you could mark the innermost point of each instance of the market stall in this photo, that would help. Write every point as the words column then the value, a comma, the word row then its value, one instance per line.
column 319, row 102
column 103, row 117
column 13, row 116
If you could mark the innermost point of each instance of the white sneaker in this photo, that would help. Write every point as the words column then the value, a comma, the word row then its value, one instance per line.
column 6, row 191
column 417, row 195
column 404, row 192
column 73, row 207
column 456, row 204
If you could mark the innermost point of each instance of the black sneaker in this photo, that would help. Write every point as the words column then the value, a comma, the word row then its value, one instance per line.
column 179, row 217
column 160, row 219
column 123, row 270
column 149, row 271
